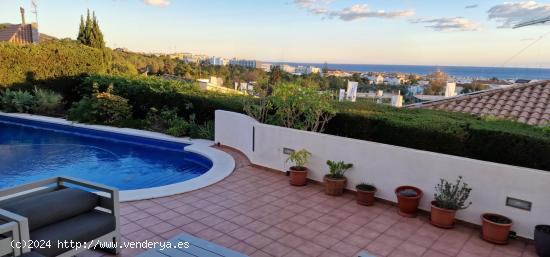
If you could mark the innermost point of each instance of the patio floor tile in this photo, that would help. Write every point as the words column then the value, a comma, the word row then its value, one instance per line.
column 256, row 212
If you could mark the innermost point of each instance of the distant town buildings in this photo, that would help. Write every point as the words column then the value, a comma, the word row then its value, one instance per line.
column 246, row 63
column 20, row 33
column 218, row 61
column 306, row 70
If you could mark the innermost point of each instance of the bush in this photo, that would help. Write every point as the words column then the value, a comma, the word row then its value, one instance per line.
column 46, row 102
column 83, row 111
column 111, row 109
column 103, row 108
column 17, row 101
column 204, row 131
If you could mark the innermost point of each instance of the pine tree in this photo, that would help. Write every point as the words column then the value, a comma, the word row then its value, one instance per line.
column 80, row 37
column 89, row 32
column 98, row 36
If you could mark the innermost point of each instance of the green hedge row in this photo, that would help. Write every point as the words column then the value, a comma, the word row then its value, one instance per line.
column 26, row 64
column 146, row 92
column 449, row 133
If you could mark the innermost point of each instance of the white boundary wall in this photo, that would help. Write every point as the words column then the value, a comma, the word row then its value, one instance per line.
column 390, row 166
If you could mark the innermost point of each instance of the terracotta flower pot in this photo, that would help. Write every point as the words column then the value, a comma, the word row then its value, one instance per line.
column 495, row 228
column 443, row 218
column 334, row 187
column 298, row 176
column 366, row 197
column 408, row 205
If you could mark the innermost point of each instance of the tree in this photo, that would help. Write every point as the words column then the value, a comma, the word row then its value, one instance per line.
column 89, row 32
column 275, row 76
column 98, row 41
column 81, row 31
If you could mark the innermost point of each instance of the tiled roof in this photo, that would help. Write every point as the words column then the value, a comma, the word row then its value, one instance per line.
column 18, row 33
column 527, row 103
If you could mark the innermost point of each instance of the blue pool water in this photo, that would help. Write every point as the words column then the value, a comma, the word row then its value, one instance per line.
column 31, row 150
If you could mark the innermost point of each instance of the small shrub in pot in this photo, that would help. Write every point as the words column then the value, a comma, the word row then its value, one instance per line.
column 449, row 198
column 365, row 194
column 298, row 172
column 335, row 181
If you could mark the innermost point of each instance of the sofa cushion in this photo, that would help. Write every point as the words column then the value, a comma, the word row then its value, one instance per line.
column 48, row 208
column 82, row 228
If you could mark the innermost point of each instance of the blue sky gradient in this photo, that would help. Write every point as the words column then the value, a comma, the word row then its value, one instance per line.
column 289, row 30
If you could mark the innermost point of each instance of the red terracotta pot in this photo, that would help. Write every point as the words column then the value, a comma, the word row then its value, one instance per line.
column 298, row 176
column 408, row 205
column 443, row 218
column 495, row 228
column 335, row 187
column 365, row 197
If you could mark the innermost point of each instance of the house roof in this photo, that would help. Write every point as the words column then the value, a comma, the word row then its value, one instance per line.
column 17, row 33
column 527, row 103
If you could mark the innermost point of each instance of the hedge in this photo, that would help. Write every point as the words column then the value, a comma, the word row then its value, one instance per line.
column 445, row 132
column 26, row 64
column 144, row 93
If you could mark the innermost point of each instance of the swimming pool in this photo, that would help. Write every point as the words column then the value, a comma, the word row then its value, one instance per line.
column 31, row 150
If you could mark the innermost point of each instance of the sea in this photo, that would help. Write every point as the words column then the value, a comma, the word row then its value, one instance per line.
column 504, row 73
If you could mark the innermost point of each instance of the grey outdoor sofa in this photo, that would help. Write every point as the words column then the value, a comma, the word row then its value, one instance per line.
column 59, row 209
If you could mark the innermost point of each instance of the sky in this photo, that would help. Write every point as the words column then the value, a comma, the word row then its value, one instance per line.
column 414, row 32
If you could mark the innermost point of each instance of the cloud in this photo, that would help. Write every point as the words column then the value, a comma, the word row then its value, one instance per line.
column 157, row 3
column 509, row 14
column 354, row 12
column 472, row 6
column 449, row 24
column 362, row 11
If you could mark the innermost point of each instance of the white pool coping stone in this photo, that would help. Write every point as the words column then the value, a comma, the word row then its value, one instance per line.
column 222, row 163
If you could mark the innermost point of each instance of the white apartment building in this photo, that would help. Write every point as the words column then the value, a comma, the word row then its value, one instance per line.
column 246, row 63
column 306, row 70
column 394, row 81
column 376, row 80
column 218, row 61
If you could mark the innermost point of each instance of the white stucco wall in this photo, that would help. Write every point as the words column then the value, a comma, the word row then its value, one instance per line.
column 390, row 166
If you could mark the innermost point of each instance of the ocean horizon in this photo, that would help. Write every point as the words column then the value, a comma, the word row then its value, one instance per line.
column 455, row 71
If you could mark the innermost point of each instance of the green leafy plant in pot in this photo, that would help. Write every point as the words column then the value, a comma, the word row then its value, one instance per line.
column 298, row 172
column 335, row 181
column 448, row 199
column 365, row 194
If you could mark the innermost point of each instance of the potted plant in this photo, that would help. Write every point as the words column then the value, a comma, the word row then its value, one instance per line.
column 449, row 198
column 495, row 228
column 542, row 240
column 298, row 172
column 365, row 194
column 335, row 181
column 408, row 199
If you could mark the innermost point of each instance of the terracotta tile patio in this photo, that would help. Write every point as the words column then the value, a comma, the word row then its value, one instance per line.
column 256, row 212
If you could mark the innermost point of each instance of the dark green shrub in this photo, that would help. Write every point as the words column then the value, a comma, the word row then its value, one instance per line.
column 83, row 111
column 111, row 109
column 204, row 131
column 103, row 108
column 17, row 101
column 179, row 128
column 46, row 102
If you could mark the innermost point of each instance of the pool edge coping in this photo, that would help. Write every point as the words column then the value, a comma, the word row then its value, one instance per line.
column 222, row 163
